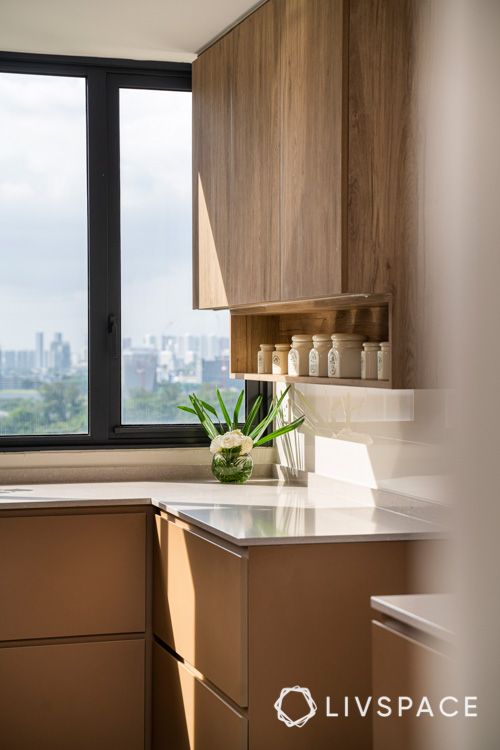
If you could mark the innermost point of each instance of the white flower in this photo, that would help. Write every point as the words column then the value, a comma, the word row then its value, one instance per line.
column 230, row 440
column 246, row 445
column 215, row 445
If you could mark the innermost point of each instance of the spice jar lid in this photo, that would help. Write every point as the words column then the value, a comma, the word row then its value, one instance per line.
column 385, row 344
column 347, row 337
column 302, row 338
column 267, row 347
column 321, row 337
column 282, row 347
column 371, row 345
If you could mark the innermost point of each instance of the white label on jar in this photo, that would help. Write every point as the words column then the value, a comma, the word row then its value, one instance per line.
column 363, row 364
column 276, row 359
column 332, row 363
column 313, row 362
column 293, row 362
column 380, row 366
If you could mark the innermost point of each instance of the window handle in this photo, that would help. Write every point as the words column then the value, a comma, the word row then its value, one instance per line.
column 113, row 332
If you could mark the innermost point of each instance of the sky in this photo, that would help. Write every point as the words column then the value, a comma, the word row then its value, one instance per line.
column 43, row 208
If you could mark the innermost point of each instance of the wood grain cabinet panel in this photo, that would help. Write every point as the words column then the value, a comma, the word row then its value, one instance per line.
column 211, row 174
column 312, row 147
column 83, row 696
column 188, row 714
column 200, row 605
column 72, row 575
column 255, row 187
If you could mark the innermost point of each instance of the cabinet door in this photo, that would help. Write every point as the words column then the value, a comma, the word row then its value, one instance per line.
column 254, row 267
column 72, row 575
column 187, row 713
column 200, row 605
column 401, row 666
column 313, row 47
column 211, row 166
column 83, row 696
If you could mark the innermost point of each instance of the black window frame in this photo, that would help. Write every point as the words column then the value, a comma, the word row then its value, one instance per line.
column 104, row 79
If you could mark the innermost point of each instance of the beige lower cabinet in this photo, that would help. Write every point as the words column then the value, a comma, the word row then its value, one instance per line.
column 188, row 713
column 406, row 666
column 274, row 616
column 72, row 574
column 73, row 696
column 73, row 625
column 200, row 604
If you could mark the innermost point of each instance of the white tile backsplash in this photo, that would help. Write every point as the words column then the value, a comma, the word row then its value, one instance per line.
column 379, row 439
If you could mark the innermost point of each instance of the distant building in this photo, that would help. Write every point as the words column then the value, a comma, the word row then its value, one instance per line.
column 139, row 370
column 39, row 351
column 216, row 372
column 59, row 355
column 150, row 341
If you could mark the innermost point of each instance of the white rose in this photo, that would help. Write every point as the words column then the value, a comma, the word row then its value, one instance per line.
column 246, row 445
column 232, row 439
column 215, row 445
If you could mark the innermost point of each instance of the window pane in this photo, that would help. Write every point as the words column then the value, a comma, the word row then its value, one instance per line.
column 43, row 255
column 168, row 349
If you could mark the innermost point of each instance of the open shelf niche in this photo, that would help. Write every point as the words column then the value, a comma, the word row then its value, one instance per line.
column 276, row 323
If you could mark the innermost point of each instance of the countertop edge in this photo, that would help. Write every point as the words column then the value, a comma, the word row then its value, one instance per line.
column 400, row 614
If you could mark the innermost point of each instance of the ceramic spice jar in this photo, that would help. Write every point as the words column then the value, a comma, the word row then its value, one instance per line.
column 344, row 358
column 280, row 359
column 298, row 356
column 318, row 355
column 369, row 364
column 264, row 359
column 384, row 361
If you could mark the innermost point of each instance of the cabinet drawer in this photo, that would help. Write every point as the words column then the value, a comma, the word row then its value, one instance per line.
column 200, row 605
column 189, row 715
column 72, row 575
column 83, row 696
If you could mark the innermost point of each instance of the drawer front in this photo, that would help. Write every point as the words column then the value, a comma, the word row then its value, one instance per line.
column 187, row 714
column 200, row 605
column 83, row 696
column 72, row 575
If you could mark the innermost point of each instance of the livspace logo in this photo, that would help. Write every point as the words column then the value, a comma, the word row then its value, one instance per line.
column 448, row 707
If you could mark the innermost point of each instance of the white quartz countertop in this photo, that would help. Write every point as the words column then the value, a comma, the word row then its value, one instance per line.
column 260, row 512
column 431, row 614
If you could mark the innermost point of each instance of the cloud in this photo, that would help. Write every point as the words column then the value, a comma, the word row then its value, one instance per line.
column 43, row 212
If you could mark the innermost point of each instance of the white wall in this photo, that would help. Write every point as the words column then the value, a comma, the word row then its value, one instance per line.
column 379, row 439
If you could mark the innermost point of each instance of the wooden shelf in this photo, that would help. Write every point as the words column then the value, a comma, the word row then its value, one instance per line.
column 310, row 380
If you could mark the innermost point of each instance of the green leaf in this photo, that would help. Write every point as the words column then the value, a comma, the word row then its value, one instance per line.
column 209, row 408
column 205, row 420
column 188, row 409
column 252, row 414
column 236, row 417
column 262, row 426
column 225, row 412
column 281, row 431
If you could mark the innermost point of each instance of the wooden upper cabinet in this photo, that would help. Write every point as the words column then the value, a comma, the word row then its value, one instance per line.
column 255, row 189
column 304, row 156
column 312, row 143
column 236, row 168
column 211, row 162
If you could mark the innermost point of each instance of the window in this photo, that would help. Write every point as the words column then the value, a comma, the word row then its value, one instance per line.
column 43, row 255
column 98, row 339
column 168, row 350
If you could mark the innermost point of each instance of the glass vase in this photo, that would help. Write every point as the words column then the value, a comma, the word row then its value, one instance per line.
column 230, row 466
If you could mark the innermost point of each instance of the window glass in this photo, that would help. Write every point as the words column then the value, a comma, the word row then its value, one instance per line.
column 168, row 349
column 43, row 255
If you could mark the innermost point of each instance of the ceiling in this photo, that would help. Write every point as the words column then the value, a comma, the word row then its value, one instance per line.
column 172, row 30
